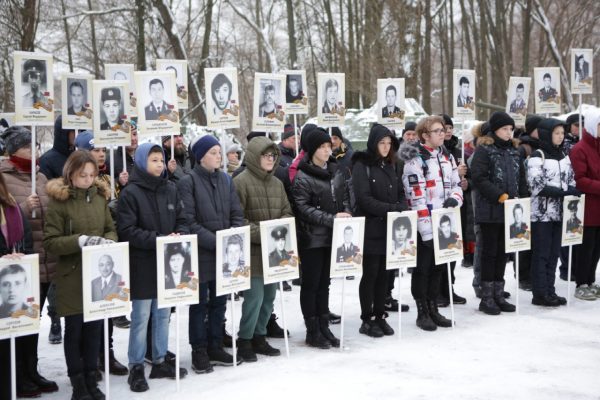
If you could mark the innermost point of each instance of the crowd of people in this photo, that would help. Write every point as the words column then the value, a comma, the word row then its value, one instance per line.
column 420, row 168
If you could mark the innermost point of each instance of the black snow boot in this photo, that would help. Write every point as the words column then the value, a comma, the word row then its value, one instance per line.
column 424, row 321
column 314, row 338
column 136, row 380
column 499, row 298
column 488, row 304
column 80, row 391
column 92, row 386
column 261, row 346
column 324, row 326
column 245, row 350
column 435, row 315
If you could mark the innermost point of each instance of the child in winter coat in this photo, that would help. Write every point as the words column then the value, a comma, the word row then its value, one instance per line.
column 498, row 174
column 377, row 183
column 262, row 197
column 585, row 157
column 550, row 178
column 77, row 216
column 431, row 181
column 148, row 207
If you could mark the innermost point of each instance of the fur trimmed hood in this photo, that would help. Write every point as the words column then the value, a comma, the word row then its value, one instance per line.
column 408, row 151
column 58, row 190
column 489, row 140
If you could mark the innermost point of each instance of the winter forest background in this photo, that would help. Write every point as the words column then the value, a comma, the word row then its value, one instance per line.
column 421, row 40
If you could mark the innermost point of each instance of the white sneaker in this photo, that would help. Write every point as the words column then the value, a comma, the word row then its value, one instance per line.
column 594, row 289
column 584, row 292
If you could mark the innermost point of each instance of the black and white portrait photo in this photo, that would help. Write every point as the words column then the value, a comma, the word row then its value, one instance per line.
column 77, row 96
column 19, row 296
column 347, row 246
column 111, row 110
column 177, row 260
column 517, row 98
column 402, row 239
column 222, row 101
column 108, row 281
column 464, row 84
column 34, row 82
column 390, row 107
column 331, row 96
column 124, row 73
column 447, row 236
column 279, row 247
column 294, row 88
column 347, row 249
column 269, row 102
column 331, row 108
column 233, row 260
column 278, row 242
column 269, row 98
column 221, row 90
column 519, row 103
column 517, row 228
column 157, row 105
column 582, row 71
column 464, row 98
column 233, row 256
column 34, row 88
column 390, row 103
column 15, row 289
column 401, row 248
column 573, row 219
column 547, row 90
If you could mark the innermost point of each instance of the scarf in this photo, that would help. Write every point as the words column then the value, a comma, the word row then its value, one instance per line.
column 22, row 164
column 11, row 225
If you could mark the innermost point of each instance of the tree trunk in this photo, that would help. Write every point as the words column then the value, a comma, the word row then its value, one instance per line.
column 29, row 15
column 426, row 65
column 140, row 42
column 293, row 52
column 95, row 56
column 526, row 16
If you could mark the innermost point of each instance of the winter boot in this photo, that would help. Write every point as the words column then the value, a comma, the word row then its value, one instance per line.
column 334, row 319
column 324, row 326
column 137, row 380
column 499, row 298
column 55, row 335
column 114, row 366
column 261, row 346
column 92, row 386
column 80, row 391
column 370, row 328
column 200, row 361
column 166, row 370
column 220, row 357
column 424, row 321
column 436, row 317
column 488, row 304
column 245, row 350
column 383, row 325
column 273, row 328
column 45, row 385
column 25, row 386
column 314, row 338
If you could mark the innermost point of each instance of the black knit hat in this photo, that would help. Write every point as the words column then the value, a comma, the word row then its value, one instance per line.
column 15, row 138
column 500, row 119
column 335, row 131
column 316, row 138
column 306, row 131
column 288, row 131
column 409, row 126
column 574, row 119
column 447, row 120
column 531, row 123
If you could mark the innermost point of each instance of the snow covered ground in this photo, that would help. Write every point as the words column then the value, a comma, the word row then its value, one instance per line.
column 540, row 354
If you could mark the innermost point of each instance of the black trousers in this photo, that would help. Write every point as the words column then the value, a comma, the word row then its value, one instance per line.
column 314, row 292
column 425, row 281
column 588, row 255
column 493, row 257
column 25, row 354
column 373, row 286
column 81, row 344
column 545, row 250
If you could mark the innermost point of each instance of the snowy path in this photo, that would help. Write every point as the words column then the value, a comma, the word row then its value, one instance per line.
column 541, row 354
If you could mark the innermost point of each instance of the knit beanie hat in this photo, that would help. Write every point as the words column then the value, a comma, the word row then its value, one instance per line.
column 288, row 131
column 447, row 120
column 316, row 138
column 531, row 123
column 574, row 119
column 409, row 126
column 203, row 145
column 16, row 137
column 85, row 140
column 335, row 131
column 499, row 119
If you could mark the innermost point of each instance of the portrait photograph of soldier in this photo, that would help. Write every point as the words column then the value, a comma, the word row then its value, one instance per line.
column 77, row 96
column 401, row 235
column 177, row 260
column 518, row 228
column 111, row 110
column 331, row 93
column 269, row 98
column 157, row 96
column 547, row 92
column 33, row 82
column 221, row 90
column 573, row 221
column 347, row 249
column 108, row 281
column 233, row 256
column 278, row 244
column 581, row 68
column 519, row 102
column 15, row 289
column 464, row 99
column 390, row 109
column 447, row 236
column 294, row 91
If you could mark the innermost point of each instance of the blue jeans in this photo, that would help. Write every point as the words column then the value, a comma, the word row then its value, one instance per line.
column 140, row 314
column 207, row 317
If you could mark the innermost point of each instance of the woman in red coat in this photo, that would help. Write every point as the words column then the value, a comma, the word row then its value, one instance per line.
column 585, row 158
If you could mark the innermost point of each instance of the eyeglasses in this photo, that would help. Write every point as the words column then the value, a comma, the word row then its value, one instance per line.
column 438, row 132
column 269, row 155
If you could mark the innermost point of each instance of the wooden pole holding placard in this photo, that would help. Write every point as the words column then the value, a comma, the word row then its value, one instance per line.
column 13, row 368
column 233, row 333
column 33, row 165
column 517, row 279
column 342, row 317
column 449, row 292
column 106, row 359
column 569, row 270
column 285, row 335
column 296, row 135
column 177, row 354
column 112, row 173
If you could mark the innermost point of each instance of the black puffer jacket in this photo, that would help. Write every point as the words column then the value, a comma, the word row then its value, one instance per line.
column 52, row 161
column 148, row 207
column 318, row 194
column 210, row 204
column 497, row 168
column 377, row 192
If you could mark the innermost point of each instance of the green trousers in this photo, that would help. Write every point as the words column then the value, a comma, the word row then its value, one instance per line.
column 257, row 308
